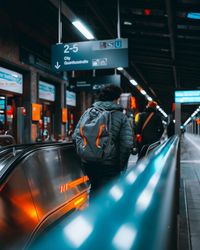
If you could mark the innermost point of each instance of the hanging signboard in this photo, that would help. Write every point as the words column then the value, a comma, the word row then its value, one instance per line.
column 89, row 55
column 46, row 91
column 187, row 96
column 11, row 81
column 93, row 83
column 70, row 98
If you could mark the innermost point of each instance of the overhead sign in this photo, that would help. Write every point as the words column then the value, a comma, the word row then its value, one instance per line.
column 70, row 98
column 93, row 83
column 89, row 55
column 46, row 91
column 11, row 81
column 187, row 96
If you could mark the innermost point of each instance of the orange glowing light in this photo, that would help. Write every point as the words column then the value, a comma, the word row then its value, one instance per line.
column 132, row 102
column 64, row 187
column 78, row 201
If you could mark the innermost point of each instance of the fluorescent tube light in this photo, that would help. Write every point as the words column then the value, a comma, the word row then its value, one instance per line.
column 143, row 92
column 120, row 68
column 149, row 98
column 81, row 27
column 133, row 82
column 127, row 23
column 193, row 15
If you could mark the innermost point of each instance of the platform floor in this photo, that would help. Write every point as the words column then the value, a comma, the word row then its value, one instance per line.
column 190, row 192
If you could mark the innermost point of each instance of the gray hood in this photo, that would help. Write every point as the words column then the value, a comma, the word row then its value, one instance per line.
column 108, row 105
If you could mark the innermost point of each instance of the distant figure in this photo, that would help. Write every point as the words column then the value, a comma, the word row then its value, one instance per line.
column 182, row 132
column 171, row 129
column 2, row 131
column 148, row 128
column 104, row 138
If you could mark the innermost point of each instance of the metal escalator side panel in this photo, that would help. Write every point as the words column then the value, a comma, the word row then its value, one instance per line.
column 17, row 211
column 35, row 183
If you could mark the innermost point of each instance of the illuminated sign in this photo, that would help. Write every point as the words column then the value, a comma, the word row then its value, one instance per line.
column 70, row 98
column 64, row 115
column 36, row 112
column 187, row 96
column 46, row 91
column 93, row 83
column 89, row 55
column 11, row 81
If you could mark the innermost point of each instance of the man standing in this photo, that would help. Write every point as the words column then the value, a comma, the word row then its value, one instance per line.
column 104, row 138
column 148, row 127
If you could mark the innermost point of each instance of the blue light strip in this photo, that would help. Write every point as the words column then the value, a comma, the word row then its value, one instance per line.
column 193, row 15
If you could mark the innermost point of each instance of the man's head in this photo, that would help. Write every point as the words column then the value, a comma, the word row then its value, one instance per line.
column 151, row 104
column 110, row 93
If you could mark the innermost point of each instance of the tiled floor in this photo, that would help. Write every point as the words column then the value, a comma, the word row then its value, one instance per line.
column 190, row 177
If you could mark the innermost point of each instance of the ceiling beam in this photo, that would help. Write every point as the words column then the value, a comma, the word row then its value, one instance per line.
column 95, row 9
column 172, row 32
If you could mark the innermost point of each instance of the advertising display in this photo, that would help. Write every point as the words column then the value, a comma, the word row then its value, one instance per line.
column 93, row 83
column 36, row 112
column 187, row 96
column 46, row 91
column 11, row 81
column 89, row 55
column 64, row 115
column 70, row 98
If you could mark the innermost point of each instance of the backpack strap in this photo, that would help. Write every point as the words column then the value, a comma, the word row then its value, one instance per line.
column 147, row 120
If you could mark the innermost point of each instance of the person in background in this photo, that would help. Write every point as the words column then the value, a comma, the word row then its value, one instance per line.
column 2, row 131
column 104, row 138
column 171, row 128
column 148, row 128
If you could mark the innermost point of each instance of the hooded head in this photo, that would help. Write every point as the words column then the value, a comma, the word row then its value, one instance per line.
column 110, row 93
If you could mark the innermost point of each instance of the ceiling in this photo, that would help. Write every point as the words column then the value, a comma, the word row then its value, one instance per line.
column 164, row 45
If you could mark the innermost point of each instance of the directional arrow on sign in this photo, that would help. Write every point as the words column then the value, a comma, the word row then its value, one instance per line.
column 57, row 66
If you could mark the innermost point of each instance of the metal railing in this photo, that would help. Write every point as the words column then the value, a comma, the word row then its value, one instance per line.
column 137, row 212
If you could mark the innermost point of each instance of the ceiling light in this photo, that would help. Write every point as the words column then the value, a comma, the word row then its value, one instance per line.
column 133, row 82
column 143, row 92
column 120, row 68
column 81, row 27
column 149, row 98
column 127, row 23
column 193, row 15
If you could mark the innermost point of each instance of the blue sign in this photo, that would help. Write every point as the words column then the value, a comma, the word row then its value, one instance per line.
column 46, row 91
column 70, row 98
column 90, row 55
column 11, row 81
column 187, row 96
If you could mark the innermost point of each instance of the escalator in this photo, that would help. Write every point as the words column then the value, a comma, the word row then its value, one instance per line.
column 38, row 185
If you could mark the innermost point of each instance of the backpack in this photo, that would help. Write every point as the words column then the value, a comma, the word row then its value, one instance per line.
column 94, row 138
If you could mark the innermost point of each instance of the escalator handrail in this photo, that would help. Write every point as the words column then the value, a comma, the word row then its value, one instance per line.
column 12, row 163
column 136, row 212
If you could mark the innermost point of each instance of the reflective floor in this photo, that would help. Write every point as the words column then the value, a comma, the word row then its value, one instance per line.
column 190, row 181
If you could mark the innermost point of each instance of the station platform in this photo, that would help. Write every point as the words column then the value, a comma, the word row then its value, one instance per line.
column 143, row 202
column 190, row 192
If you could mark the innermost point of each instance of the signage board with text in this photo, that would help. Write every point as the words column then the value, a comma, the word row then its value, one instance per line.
column 90, row 55
column 46, row 91
column 93, row 83
column 187, row 96
column 11, row 81
column 70, row 98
